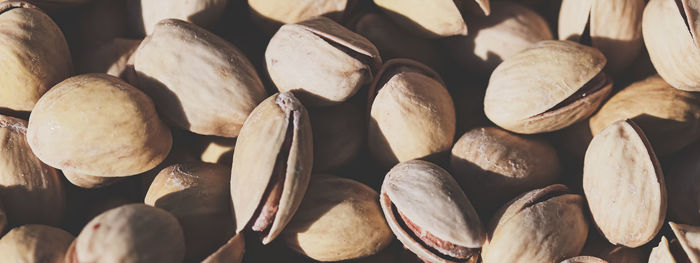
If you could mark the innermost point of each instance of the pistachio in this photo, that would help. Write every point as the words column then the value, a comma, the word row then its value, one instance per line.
column 113, row 58
column 35, row 243
column 231, row 252
column 683, row 185
column 144, row 15
column 429, row 213
column 689, row 238
column 271, row 14
column 271, row 166
column 321, row 61
column 412, row 114
column 431, row 19
column 35, row 55
column 550, row 217
column 339, row 219
column 339, row 135
column 662, row 253
column 584, row 259
column 547, row 87
column 624, row 185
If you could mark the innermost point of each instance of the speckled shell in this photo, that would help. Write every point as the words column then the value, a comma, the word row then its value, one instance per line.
column 35, row 243
column 143, row 15
column 689, row 238
column 431, row 19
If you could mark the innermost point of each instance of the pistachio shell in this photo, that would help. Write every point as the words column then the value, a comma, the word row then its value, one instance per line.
column 35, row 243
column 99, row 125
column 549, row 217
column 624, row 185
column 339, row 219
column 661, row 253
column 274, row 150
column 683, row 185
column 35, row 55
column 584, row 259
column 145, row 14
column 547, row 87
column 689, row 238
column 231, row 252
column 432, row 19
column 320, row 60
column 271, row 14
column 198, row 81
column 431, row 199
column 339, row 135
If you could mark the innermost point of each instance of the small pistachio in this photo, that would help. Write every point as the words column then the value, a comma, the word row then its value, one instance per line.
column 231, row 252
column 431, row 19
column 143, row 15
column 35, row 243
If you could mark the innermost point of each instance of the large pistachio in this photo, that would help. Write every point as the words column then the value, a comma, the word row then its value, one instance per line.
column 98, row 125
column 231, row 252
column 429, row 213
column 683, row 185
column 198, row 81
column 624, row 185
column 543, row 225
column 547, row 87
column 30, row 190
column 689, row 238
column 35, row 55
column 113, row 58
column 670, row 29
column 197, row 194
column 129, row 233
column 613, row 27
column 493, row 166
column 339, row 134
column 271, row 14
column 145, row 14
column 320, row 60
column 271, row 165
column 35, row 243
column 412, row 114
column 339, row 219
column 432, row 19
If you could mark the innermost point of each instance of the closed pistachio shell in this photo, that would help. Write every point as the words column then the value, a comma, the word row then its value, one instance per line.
column 145, row 14
column 550, row 217
column 271, row 14
column 662, row 253
column 431, row 19
column 624, row 185
column 683, row 185
column 35, row 243
column 89, row 181
column 339, row 219
column 231, row 252
column 271, row 165
column 689, row 238
column 428, row 212
column 584, row 259
column 547, row 87
column 339, row 134
column 35, row 55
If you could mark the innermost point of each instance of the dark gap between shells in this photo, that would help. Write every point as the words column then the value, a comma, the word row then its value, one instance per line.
column 594, row 85
column 546, row 194
column 681, row 9
column 367, row 60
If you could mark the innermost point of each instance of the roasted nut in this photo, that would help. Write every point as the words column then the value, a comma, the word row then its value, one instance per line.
column 430, row 19
column 35, row 243
column 31, row 191
column 144, row 15
column 412, row 114
column 271, row 166
column 113, row 58
column 429, row 213
column 231, row 252
column 198, row 81
column 624, row 185
column 689, row 238
column 271, row 14
column 35, row 55
column 129, row 233
column 683, row 185
column 339, row 135
column 550, row 217
column 547, row 87
column 339, row 219
column 321, row 61
column 197, row 194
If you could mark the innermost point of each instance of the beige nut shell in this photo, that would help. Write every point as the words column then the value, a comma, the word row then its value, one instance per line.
column 35, row 243
column 432, row 19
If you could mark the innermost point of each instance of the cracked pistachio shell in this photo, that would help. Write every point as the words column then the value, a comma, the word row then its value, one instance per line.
column 197, row 194
column 669, row 117
column 662, row 253
column 683, row 182
column 98, row 125
column 130, row 233
column 670, row 29
column 339, row 134
column 199, row 81
column 143, row 15
column 339, row 219
column 547, row 87
column 584, row 259
column 35, row 55
column 271, row 14
column 431, row 19
column 231, row 252
column 273, row 152
column 30, row 191
column 35, row 243
column 321, row 61
column 428, row 197
column 624, row 185
column 411, row 116
column 113, row 58
column 550, row 217
column 689, row 238
column 614, row 27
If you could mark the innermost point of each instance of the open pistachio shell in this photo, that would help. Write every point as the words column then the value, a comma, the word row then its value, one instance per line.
column 145, row 14
column 271, row 165
column 584, row 259
column 431, row 19
column 231, row 252
column 624, row 185
column 430, row 214
column 662, row 253
column 547, row 87
column 35, row 243
column 683, row 185
column 689, row 238
column 670, row 29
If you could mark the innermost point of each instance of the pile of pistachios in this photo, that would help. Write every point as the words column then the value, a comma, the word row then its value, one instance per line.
column 357, row 131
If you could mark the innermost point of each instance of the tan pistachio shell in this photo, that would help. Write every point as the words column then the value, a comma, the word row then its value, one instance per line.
column 30, row 191
column 689, row 238
column 199, row 81
column 683, row 185
column 662, row 253
column 99, row 125
column 430, row 19
column 550, row 217
column 412, row 114
column 339, row 135
column 271, row 14
column 231, row 252
column 339, row 219
column 275, row 145
column 624, row 185
column 143, row 15
column 89, row 181
column 671, row 36
column 113, row 58
column 431, row 199
column 321, row 61
column 584, row 259
column 35, row 55
column 35, row 243
column 546, row 87
column 130, row 233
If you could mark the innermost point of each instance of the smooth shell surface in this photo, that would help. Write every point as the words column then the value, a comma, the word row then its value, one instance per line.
column 35, row 243
column 433, row 19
